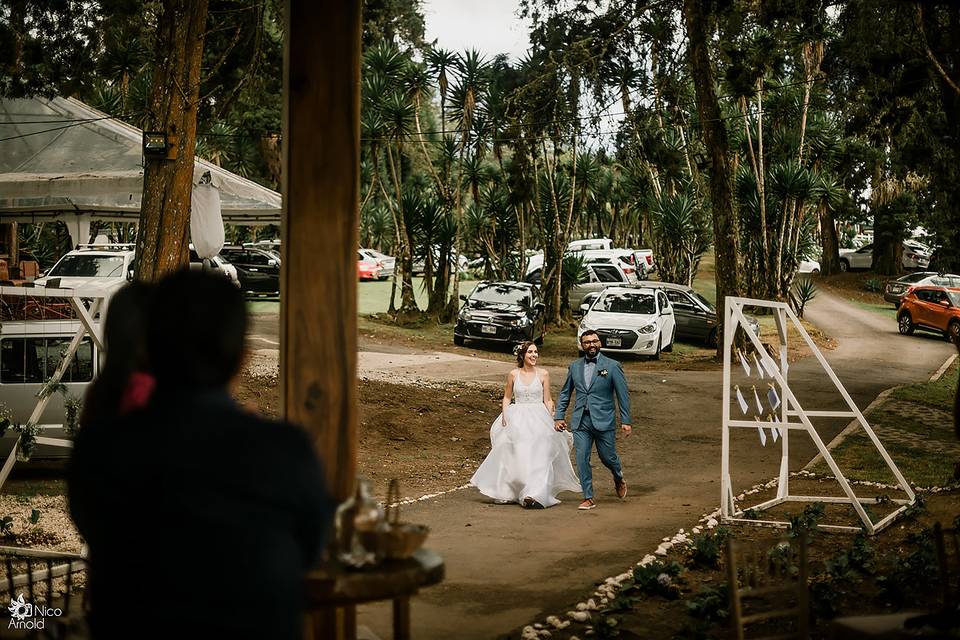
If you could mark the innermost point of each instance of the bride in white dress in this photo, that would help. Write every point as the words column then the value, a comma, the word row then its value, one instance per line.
column 529, row 461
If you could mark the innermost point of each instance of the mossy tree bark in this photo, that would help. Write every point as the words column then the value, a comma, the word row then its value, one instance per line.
column 163, row 235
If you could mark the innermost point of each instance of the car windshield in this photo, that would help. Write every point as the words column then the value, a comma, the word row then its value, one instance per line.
column 628, row 302
column 501, row 294
column 88, row 266
column 704, row 302
column 954, row 298
column 914, row 277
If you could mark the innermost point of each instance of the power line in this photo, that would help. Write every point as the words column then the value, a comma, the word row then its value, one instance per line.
column 74, row 123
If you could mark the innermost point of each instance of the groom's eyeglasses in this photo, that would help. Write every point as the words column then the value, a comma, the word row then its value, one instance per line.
column 594, row 341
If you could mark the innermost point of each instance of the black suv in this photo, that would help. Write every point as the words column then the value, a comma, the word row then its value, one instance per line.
column 257, row 269
column 501, row 312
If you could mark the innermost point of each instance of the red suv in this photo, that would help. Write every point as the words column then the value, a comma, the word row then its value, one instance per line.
column 930, row 308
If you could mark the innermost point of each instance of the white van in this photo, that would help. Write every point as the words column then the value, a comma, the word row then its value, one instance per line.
column 30, row 352
column 590, row 244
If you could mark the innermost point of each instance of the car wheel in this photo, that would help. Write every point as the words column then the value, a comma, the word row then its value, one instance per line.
column 905, row 323
column 953, row 332
column 656, row 355
column 669, row 347
column 713, row 338
column 458, row 340
column 815, row 272
column 844, row 265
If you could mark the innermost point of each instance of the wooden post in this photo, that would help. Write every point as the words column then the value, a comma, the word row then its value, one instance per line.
column 321, row 187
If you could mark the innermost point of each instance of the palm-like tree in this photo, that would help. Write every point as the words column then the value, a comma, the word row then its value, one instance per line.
column 123, row 58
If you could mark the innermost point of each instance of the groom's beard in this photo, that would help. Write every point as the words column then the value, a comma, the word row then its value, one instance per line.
column 593, row 351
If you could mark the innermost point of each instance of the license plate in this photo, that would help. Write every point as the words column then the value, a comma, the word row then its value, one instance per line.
column 613, row 342
column 488, row 329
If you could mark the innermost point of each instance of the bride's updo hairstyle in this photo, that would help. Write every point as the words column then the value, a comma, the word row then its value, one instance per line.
column 521, row 352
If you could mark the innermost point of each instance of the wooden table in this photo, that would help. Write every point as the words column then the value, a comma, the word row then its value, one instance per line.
column 332, row 593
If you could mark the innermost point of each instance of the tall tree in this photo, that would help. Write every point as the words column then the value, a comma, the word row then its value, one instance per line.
column 726, row 232
column 174, row 100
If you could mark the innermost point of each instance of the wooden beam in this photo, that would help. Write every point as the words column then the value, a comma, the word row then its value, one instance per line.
column 321, row 187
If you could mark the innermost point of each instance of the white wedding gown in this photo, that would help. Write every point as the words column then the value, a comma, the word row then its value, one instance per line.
column 528, row 458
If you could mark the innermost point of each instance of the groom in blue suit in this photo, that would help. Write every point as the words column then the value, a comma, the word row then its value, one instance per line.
column 597, row 379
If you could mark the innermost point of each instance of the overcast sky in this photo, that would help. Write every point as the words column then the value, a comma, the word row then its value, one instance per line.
column 490, row 26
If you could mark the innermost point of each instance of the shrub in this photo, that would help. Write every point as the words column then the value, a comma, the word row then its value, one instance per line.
column 708, row 548
column 804, row 290
column 912, row 572
column 806, row 522
column 658, row 579
column 873, row 285
column 710, row 604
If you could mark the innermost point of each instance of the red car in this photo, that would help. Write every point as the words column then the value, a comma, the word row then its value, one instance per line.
column 368, row 270
column 932, row 309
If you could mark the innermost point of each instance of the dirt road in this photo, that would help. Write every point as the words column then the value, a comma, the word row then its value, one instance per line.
column 507, row 567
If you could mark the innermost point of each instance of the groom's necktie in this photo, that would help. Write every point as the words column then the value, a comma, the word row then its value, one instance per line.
column 589, row 364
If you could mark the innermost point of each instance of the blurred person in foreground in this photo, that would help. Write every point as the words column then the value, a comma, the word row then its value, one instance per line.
column 124, row 382
column 201, row 518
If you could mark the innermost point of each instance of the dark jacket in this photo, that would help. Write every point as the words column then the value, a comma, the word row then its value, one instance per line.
column 201, row 520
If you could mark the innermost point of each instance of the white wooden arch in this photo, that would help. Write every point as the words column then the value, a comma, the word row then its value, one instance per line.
column 793, row 417
column 86, row 305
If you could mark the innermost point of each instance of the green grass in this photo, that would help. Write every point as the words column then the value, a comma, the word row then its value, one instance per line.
column 30, row 484
column 885, row 309
column 372, row 297
column 939, row 394
column 860, row 460
column 263, row 306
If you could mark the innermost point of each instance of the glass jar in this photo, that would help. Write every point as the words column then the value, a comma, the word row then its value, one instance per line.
column 360, row 524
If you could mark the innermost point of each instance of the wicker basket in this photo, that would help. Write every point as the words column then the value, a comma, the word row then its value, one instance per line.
column 401, row 539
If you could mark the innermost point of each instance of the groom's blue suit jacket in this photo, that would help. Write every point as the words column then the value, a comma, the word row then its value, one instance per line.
column 598, row 397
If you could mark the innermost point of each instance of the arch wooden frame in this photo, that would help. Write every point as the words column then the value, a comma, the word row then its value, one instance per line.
column 86, row 326
column 794, row 417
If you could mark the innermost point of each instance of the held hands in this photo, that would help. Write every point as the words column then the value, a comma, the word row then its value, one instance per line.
column 503, row 421
column 560, row 425
column 627, row 429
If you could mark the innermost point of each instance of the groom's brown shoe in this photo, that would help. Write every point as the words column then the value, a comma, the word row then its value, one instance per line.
column 587, row 504
column 621, row 487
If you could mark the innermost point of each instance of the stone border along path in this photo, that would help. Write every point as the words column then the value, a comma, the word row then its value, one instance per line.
column 609, row 588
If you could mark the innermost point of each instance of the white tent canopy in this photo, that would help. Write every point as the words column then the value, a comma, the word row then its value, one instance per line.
column 63, row 160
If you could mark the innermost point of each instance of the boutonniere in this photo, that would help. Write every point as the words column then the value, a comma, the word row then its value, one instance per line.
column 602, row 373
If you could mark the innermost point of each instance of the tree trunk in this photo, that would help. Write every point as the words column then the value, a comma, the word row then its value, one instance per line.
column 830, row 242
column 725, row 224
column 887, row 234
column 174, row 97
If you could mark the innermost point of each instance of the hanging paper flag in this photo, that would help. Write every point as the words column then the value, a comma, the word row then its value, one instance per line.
column 763, row 436
column 743, row 361
column 756, row 396
column 773, row 430
column 773, row 397
column 743, row 403
column 770, row 366
column 782, row 430
column 759, row 368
